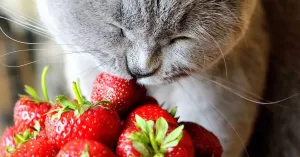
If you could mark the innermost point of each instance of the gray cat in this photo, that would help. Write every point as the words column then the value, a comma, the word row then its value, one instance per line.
column 209, row 57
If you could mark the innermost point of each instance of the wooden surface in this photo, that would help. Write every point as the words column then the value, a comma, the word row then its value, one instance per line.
column 12, row 79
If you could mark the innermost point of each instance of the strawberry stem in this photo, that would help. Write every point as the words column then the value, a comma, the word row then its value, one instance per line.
column 44, row 86
column 77, row 93
column 78, row 87
column 159, row 155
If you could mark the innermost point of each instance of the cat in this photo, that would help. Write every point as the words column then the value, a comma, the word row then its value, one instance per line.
column 208, row 57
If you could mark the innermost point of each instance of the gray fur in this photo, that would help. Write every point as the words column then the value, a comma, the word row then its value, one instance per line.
column 184, row 43
column 150, row 33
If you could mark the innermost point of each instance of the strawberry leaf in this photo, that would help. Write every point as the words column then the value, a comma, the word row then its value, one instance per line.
column 141, row 123
column 36, row 129
column 170, row 144
column 150, row 127
column 134, row 136
column 139, row 136
column 101, row 103
column 32, row 92
column 60, row 112
column 23, row 137
column 65, row 102
column 161, row 130
column 77, row 113
column 68, row 105
column 10, row 149
column 37, row 126
column 142, row 148
column 174, row 111
column 85, row 151
column 105, row 102
column 157, row 145
column 175, row 134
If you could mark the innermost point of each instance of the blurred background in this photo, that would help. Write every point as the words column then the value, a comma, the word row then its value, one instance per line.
column 25, row 48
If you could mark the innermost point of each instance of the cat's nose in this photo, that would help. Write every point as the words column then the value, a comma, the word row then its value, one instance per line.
column 143, row 60
column 138, row 73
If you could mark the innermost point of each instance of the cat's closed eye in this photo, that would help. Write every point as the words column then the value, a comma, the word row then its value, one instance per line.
column 119, row 30
column 180, row 38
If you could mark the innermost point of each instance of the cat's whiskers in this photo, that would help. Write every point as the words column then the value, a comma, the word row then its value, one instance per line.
column 26, row 22
column 227, row 10
column 41, row 60
column 29, row 27
column 241, row 140
column 28, row 43
column 87, row 72
column 247, row 98
column 195, row 102
column 219, row 48
column 20, row 16
column 220, row 113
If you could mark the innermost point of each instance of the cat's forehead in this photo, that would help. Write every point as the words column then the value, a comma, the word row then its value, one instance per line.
column 157, row 18
column 146, row 16
column 150, row 15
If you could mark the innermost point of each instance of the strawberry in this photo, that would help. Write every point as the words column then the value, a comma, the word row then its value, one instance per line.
column 122, row 93
column 206, row 144
column 69, row 120
column 85, row 148
column 149, row 112
column 31, row 108
column 36, row 147
column 148, row 100
column 13, row 138
column 125, row 147
column 154, row 140
column 7, row 142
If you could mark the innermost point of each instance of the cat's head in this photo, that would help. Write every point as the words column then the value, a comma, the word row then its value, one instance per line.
column 156, row 41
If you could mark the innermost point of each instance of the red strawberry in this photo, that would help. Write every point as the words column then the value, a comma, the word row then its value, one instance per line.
column 69, row 120
column 148, row 100
column 31, row 108
column 149, row 112
column 206, row 144
column 13, row 138
column 163, row 141
column 7, row 141
column 36, row 147
column 125, row 147
column 122, row 93
column 85, row 148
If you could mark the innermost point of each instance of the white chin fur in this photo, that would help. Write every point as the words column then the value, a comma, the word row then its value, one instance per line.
column 150, row 81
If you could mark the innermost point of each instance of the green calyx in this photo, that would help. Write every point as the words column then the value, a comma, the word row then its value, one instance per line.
column 32, row 92
column 173, row 112
column 152, row 140
column 85, row 152
column 24, row 137
column 68, row 105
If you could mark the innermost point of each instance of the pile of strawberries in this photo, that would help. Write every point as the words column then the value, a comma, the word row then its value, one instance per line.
column 119, row 121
